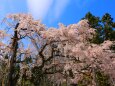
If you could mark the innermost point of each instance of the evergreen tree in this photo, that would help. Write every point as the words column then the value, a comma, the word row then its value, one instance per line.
column 95, row 22
column 104, row 27
column 107, row 22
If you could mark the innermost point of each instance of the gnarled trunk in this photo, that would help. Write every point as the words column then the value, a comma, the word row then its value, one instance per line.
column 13, row 58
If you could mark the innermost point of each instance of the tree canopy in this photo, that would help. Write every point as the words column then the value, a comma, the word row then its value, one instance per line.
column 32, row 55
column 104, row 27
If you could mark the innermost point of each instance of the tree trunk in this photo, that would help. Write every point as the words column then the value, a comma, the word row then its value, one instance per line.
column 13, row 58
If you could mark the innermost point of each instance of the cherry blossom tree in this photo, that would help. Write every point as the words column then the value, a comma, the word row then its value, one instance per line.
column 79, row 57
column 22, row 26
column 61, row 55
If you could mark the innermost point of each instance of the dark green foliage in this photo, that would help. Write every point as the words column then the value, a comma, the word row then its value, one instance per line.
column 113, row 48
column 106, row 19
column 101, row 79
column 113, row 25
column 112, row 35
column 28, row 60
column 93, row 21
column 36, row 76
column 39, row 78
column 107, row 24
column 104, row 27
column 87, row 80
column 97, row 39
column 71, row 74
column 64, row 84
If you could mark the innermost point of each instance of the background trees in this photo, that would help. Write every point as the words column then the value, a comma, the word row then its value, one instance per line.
column 33, row 55
column 104, row 27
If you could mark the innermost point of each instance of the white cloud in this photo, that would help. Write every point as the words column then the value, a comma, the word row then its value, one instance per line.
column 59, row 7
column 39, row 8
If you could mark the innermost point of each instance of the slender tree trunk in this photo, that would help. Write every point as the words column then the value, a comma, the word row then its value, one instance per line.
column 13, row 58
column 3, row 82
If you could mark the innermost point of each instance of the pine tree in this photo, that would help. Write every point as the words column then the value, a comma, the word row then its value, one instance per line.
column 104, row 27
column 107, row 22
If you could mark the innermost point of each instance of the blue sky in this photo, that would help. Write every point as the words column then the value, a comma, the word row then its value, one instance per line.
column 52, row 12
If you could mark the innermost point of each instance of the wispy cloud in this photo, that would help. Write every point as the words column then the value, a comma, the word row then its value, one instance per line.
column 83, row 3
column 41, row 8
column 59, row 7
